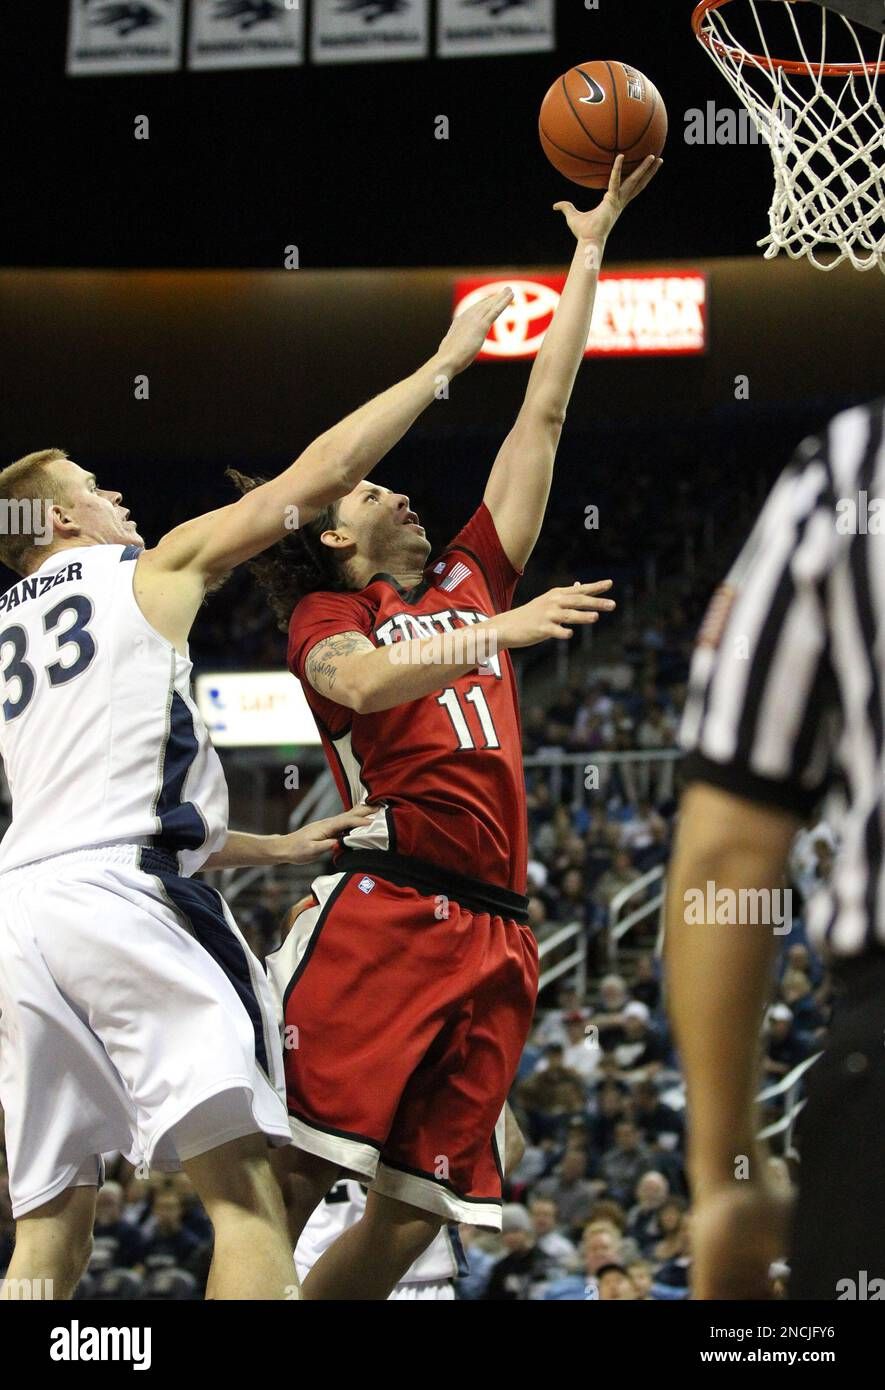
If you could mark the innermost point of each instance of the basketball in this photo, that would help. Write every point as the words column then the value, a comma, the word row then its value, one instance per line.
column 595, row 112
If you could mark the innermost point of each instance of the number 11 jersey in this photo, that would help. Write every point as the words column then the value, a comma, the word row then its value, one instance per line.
column 445, row 770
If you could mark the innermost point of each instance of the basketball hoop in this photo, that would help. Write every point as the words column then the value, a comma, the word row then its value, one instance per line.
column 821, row 116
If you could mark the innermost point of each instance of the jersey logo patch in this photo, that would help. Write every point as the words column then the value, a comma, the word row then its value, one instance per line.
column 457, row 574
column 366, row 885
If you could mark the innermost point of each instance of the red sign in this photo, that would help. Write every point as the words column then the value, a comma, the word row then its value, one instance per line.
column 644, row 313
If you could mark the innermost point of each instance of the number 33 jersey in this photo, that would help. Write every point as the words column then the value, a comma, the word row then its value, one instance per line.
column 99, row 736
column 445, row 770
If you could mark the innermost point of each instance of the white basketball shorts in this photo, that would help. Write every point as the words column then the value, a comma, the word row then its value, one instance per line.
column 133, row 1016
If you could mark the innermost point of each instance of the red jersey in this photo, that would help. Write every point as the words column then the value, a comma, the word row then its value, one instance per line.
column 445, row 770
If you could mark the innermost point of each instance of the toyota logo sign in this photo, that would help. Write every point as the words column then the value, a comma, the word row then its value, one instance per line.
column 651, row 313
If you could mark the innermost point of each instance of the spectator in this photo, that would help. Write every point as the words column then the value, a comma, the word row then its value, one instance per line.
column 581, row 1052
column 560, row 1251
column 552, row 1096
column 574, row 902
column 641, row 1050
column 644, row 829
column 171, row 1242
column 671, row 1279
column 615, row 1284
column 561, row 718
column 671, row 1219
column 620, row 875
column 572, row 855
column 609, row 1018
column 652, row 1191
column 600, row 845
column 622, row 1166
column 661, row 1125
column 612, row 1099
column 797, row 994
column 552, row 1027
column 525, row 1266
column 537, row 910
column 656, row 729
column 534, row 729
column 119, row 1243
column 570, row 1189
column 600, row 1246
column 784, row 1050
column 641, row 1273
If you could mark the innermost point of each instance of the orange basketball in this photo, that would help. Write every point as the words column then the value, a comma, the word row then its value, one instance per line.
column 595, row 112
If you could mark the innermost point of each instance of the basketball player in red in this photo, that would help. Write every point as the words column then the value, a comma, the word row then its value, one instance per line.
column 409, row 986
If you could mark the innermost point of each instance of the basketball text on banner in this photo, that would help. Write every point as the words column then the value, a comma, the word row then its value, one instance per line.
column 479, row 27
column 357, row 31
column 138, row 37
column 246, row 33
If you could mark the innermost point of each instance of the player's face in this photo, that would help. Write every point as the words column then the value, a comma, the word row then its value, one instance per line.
column 98, row 513
column 383, row 527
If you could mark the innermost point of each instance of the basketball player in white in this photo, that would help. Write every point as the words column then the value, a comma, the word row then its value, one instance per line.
column 132, row 1015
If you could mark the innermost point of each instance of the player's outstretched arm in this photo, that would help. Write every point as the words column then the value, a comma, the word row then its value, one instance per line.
column 329, row 468
column 303, row 846
column 519, row 483
column 347, row 668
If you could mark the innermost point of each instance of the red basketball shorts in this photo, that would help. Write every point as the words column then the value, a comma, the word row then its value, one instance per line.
column 405, row 1017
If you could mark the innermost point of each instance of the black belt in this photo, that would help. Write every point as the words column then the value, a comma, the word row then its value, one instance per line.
column 433, row 880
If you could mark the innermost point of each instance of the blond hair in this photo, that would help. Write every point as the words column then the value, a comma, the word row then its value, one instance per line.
column 28, row 481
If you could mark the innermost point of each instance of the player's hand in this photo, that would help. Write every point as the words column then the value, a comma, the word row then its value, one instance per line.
column 313, row 841
column 470, row 329
column 595, row 225
column 737, row 1233
column 554, row 614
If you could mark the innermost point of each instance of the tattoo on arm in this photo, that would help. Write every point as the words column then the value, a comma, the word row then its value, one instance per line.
column 322, row 663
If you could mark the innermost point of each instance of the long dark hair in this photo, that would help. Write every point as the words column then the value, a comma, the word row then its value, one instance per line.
column 297, row 565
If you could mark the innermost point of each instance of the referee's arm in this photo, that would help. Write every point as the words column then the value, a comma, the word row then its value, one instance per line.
column 757, row 758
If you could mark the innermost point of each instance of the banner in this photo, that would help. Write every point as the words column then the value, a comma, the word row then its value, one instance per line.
column 255, row 709
column 246, row 33
column 647, row 313
column 482, row 27
column 361, row 31
column 141, row 36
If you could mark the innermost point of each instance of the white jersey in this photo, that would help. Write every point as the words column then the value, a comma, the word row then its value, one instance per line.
column 343, row 1206
column 101, row 741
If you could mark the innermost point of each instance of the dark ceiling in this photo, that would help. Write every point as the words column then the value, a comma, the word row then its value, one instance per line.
column 341, row 160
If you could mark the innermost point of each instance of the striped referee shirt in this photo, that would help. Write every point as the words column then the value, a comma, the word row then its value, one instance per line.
column 786, row 696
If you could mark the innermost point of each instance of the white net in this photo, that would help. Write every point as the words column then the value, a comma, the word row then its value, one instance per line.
column 825, row 129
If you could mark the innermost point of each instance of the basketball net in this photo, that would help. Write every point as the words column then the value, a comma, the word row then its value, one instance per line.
column 825, row 127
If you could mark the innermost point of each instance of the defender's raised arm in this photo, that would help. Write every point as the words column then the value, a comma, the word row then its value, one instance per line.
column 213, row 544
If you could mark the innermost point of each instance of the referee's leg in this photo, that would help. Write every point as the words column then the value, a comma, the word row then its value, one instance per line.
column 838, row 1245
